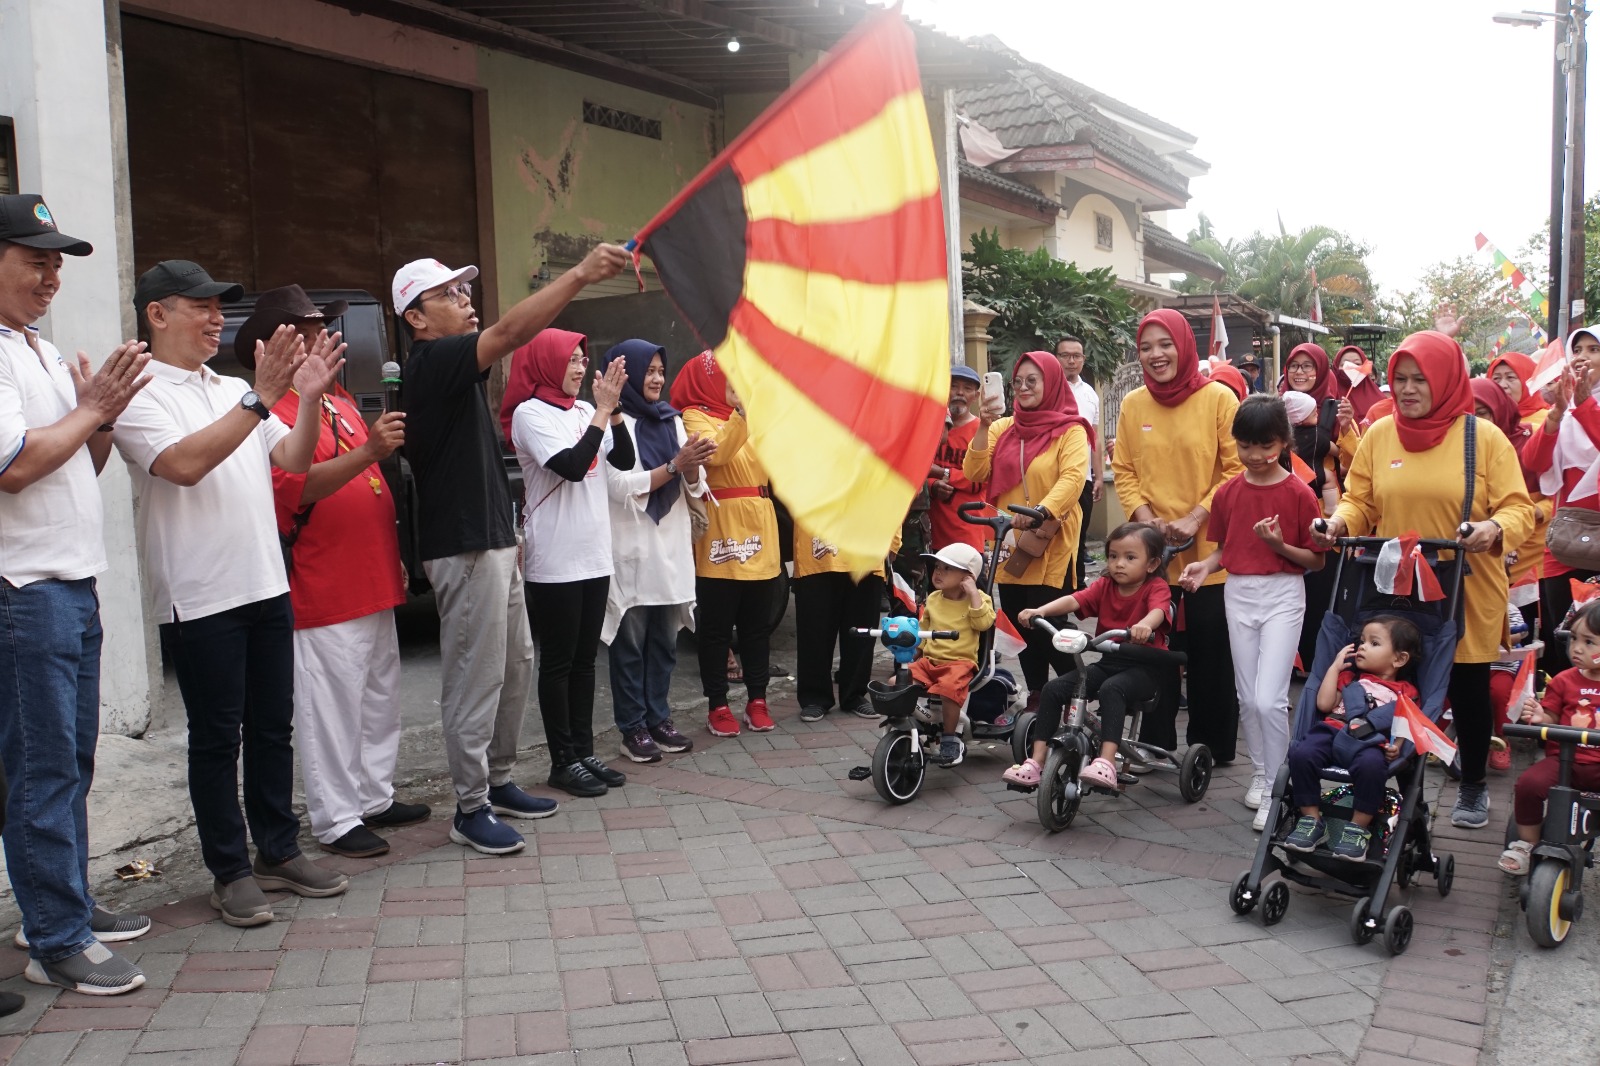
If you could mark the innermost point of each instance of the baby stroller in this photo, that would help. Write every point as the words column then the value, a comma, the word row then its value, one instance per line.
column 1401, row 845
column 911, row 721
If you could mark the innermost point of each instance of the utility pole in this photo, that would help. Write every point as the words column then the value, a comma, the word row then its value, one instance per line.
column 1558, row 175
column 1577, row 243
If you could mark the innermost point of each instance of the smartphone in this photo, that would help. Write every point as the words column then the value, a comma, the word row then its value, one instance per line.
column 994, row 385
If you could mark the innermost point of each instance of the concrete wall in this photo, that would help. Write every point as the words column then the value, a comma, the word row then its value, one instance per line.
column 1075, row 238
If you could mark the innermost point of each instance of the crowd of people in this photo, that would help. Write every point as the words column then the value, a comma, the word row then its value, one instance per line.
column 647, row 511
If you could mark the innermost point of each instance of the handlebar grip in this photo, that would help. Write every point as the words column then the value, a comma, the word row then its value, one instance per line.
column 1464, row 530
column 1320, row 525
column 970, row 506
column 1558, row 733
column 943, row 634
column 1044, row 624
column 1030, row 512
column 1144, row 653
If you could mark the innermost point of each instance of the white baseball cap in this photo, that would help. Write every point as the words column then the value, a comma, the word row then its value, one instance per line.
column 420, row 275
column 959, row 555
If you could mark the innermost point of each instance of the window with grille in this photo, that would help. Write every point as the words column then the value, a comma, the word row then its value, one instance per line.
column 1102, row 231
column 8, row 158
column 623, row 121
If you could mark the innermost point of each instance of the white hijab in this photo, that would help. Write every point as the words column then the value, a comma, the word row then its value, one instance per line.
column 1574, row 451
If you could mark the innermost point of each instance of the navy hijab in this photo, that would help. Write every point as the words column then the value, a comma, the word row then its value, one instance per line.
column 655, row 427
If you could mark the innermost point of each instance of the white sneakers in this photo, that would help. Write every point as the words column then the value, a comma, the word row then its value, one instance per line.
column 1259, row 822
column 1256, row 792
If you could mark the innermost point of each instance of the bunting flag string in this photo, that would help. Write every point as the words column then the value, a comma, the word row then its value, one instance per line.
column 1534, row 300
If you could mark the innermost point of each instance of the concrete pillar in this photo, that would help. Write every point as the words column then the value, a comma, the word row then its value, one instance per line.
column 975, row 334
column 61, row 83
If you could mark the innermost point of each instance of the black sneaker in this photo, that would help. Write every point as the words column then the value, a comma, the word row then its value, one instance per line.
column 1308, row 832
column 668, row 738
column 611, row 778
column 812, row 713
column 359, row 843
column 576, row 780
column 640, row 746
column 509, row 801
column 95, row 971
column 108, row 927
column 951, row 751
column 863, row 708
column 10, row 1003
column 398, row 814
column 1352, row 843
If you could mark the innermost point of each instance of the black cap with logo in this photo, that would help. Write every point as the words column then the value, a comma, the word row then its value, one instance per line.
column 179, row 277
column 27, row 221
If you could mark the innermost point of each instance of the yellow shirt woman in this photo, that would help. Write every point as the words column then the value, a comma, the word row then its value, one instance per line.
column 1054, row 481
column 741, row 542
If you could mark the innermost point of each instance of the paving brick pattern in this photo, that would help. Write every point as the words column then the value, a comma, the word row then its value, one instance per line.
column 749, row 904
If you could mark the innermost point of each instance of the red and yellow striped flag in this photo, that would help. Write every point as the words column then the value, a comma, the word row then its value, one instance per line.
column 810, row 257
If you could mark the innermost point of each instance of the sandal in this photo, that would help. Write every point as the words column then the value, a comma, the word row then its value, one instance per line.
column 1024, row 773
column 1517, row 858
column 735, row 671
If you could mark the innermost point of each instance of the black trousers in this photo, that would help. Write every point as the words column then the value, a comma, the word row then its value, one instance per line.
column 236, row 672
column 1213, row 700
column 1473, row 710
column 826, row 608
column 1075, row 575
column 1555, row 597
column 1115, row 684
column 724, row 604
column 1038, row 657
column 566, row 617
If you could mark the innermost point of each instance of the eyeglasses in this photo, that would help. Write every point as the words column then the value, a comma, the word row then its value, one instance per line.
column 461, row 290
column 1028, row 384
column 578, row 360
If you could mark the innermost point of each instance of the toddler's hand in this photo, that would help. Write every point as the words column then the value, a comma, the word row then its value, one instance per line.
column 1139, row 634
column 1391, row 749
column 1026, row 617
column 1347, row 655
column 1530, row 709
column 969, row 585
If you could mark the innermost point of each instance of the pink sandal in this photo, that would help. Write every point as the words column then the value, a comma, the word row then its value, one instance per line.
column 1099, row 772
column 1024, row 773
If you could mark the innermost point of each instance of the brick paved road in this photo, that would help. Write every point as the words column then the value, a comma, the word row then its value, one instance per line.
column 748, row 904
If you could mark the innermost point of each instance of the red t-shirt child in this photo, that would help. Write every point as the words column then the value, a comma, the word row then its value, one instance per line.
column 1239, row 505
column 948, row 528
column 1110, row 609
column 1572, row 699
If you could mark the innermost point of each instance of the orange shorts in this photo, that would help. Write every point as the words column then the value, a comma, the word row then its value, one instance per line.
column 947, row 679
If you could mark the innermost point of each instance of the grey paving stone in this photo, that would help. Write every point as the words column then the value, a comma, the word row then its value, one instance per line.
column 747, row 1014
column 698, row 1018
column 1029, row 1031
column 878, row 1045
column 216, row 1039
column 1163, row 1027
column 107, row 1047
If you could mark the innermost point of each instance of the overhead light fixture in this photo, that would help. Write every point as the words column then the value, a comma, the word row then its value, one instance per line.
column 1526, row 19
column 733, row 44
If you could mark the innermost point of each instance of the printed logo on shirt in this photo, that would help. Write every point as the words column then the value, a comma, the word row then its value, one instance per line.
column 729, row 550
column 1394, row 464
column 1147, row 427
column 819, row 549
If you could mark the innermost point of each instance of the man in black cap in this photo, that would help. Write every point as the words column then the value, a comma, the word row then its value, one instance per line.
column 338, row 521
column 202, row 448
column 55, row 418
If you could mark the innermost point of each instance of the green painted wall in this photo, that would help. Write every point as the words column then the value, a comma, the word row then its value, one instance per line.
column 560, row 184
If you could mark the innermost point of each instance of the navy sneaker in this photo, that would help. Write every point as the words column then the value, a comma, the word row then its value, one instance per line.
column 482, row 831
column 951, row 751
column 1352, row 844
column 668, row 738
column 1308, row 832
column 512, row 802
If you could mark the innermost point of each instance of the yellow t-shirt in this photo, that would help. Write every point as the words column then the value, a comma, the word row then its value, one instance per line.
column 741, row 542
column 813, row 555
column 1173, row 459
column 943, row 612
column 1391, row 491
column 1054, row 481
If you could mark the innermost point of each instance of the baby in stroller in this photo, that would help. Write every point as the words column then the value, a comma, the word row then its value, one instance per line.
column 1358, row 696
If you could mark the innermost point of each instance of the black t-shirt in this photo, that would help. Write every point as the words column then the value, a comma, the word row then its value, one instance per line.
column 453, row 445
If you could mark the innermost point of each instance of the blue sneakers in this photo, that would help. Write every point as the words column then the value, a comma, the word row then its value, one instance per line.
column 482, row 831
column 511, row 802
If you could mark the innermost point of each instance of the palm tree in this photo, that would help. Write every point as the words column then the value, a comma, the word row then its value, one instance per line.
column 1274, row 272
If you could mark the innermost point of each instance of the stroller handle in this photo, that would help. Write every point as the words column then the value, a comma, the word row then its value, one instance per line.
column 1028, row 512
column 969, row 513
column 1561, row 734
column 1437, row 544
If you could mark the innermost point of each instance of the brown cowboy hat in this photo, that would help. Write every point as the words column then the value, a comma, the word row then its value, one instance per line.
column 277, row 307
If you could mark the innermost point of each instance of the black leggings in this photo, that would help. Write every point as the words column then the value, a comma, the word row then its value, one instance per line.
column 1213, row 700
column 723, row 604
column 1038, row 657
column 827, row 607
column 1116, row 685
column 1555, row 597
column 1473, row 710
column 566, row 617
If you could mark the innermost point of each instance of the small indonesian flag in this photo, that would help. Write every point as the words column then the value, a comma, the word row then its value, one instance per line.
column 1411, row 724
column 1552, row 362
column 1007, row 641
column 1357, row 374
column 1301, row 469
column 1316, row 298
column 903, row 595
column 1413, row 571
column 1522, row 685
column 1219, row 330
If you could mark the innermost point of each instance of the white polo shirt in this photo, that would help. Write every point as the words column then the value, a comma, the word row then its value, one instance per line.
column 213, row 546
column 52, row 528
column 1088, row 407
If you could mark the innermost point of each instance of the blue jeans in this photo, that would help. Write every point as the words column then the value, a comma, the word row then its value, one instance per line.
column 236, row 672
column 49, row 725
column 643, row 655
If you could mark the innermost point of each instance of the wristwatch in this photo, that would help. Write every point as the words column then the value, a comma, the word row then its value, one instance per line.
column 251, row 402
column 672, row 467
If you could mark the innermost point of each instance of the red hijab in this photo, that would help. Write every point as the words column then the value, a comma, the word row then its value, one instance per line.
column 701, row 383
column 1325, row 386
column 537, row 370
column 1033, row 429
column 1188, row 380
column 1364, row 393
column 1522, row 366
column 1445, row 369
column 1227, row 374
column 1502, row 412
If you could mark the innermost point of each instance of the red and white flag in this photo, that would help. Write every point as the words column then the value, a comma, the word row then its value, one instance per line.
column 1522, row 685
column 903, row 595
column 1316, row 299
column 1411, row 724
column 1007, row 641
column 1219, row 330
column 1412, row 572
column 1552, row 362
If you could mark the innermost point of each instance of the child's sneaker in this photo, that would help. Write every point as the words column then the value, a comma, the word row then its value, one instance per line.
column 951, row 750
column 1099, row 772
column 1308, row 832
column 1352, row 843
column 722, row 723
column 756, row 716
column 1024, row 773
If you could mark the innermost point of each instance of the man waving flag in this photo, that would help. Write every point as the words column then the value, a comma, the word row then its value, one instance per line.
column 810, row 257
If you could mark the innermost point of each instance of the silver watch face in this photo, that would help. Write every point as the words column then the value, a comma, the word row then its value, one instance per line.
column 249, row 399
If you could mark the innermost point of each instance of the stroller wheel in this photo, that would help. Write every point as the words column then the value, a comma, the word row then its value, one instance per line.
column 1361, row 931
column 1059, row 791
column 898, row 768
column 1275, row 904
column 1240, row 897
column 1549, row 921
column 1444, row 873
column 1194, row 776
column 1397, row 930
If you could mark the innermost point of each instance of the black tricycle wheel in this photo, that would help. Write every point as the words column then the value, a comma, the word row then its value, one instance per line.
column 1022, row 736
column 898, row 767
column 1059, row 791
column 1548, row 882
column 1194, row 775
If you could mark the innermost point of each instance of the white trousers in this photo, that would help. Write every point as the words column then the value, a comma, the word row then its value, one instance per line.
column 347, row 720
column 1264, row 616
